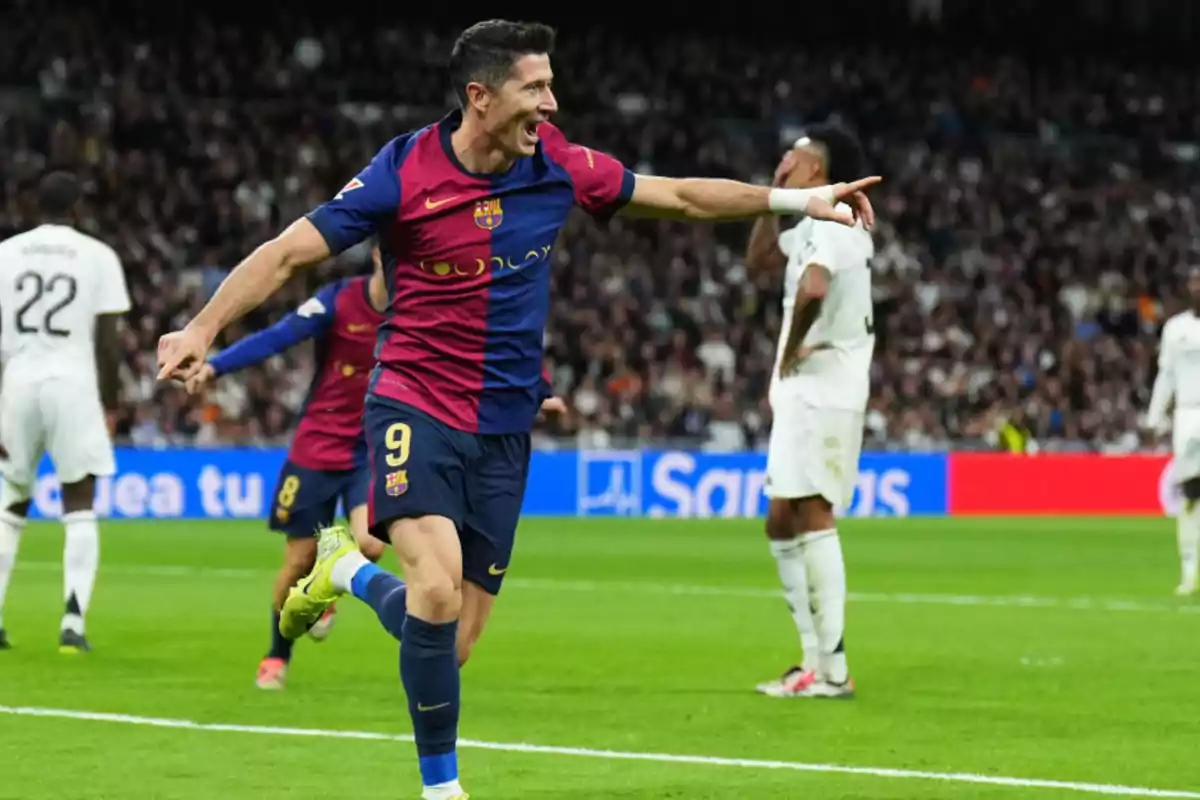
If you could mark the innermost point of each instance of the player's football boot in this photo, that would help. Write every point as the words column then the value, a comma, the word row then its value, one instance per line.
column 324, row 626
column 791, row 684
column 71, row 643
column 4, row 643
column 272, row 674
column 830, row 691
column 312, row 596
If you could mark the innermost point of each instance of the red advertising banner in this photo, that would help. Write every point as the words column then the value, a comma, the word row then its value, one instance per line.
column 1000, row 483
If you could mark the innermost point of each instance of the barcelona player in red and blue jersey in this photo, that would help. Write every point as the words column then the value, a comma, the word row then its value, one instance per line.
column 467, row 210
column 327, row 460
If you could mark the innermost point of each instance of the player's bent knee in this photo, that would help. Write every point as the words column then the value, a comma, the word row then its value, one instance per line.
column 79, row 495
column 434, row 598
column 431, row 557
column 814, row 513
column 780, row 524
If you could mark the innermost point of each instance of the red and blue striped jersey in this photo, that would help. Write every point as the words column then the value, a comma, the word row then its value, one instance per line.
column 344, row 325
column 467, row 258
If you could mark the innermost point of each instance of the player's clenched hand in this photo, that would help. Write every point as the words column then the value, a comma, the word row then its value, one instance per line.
column 853, row 195
column 181, row 354
column 554, row 405
column 198, row 382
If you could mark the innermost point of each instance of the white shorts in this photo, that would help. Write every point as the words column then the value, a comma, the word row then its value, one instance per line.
column 55, row 416
column 1185, row 442
column 814, row 451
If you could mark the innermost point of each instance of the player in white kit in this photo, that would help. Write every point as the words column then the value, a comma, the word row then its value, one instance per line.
column 1179, row 380
column 61, row 296
column 819, row 395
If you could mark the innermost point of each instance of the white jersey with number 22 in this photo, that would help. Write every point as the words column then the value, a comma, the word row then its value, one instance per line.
column 54, row 282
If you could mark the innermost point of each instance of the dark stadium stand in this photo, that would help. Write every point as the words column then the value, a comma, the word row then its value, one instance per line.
column 1037, row 213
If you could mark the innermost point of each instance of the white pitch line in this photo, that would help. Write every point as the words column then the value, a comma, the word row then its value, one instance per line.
column 617, row 755
column 647, row 587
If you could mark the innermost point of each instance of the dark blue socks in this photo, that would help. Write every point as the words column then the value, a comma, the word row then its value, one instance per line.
column 280, row 646
column 429, row 671
column 385, row 593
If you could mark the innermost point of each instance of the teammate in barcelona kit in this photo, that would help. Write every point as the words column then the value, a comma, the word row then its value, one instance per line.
column 818, row 394
column 327, row 459
column 62, row 296
column 1178, row 380
column 468, row 211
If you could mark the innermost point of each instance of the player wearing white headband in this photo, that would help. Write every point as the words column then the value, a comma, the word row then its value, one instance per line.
column 819, row 393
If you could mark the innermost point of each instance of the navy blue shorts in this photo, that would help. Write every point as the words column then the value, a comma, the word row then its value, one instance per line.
column 422, row 467
column 306, row 500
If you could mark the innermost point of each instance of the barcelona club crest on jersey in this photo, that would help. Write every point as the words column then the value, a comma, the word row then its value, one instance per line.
column 396, row 483
column 489, row 214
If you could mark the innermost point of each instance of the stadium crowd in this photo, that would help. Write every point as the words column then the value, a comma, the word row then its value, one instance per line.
column 1034, row 224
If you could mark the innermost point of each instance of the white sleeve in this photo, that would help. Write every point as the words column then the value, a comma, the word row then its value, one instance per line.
column 787, row 241
column 828, row 245
column 112, row 296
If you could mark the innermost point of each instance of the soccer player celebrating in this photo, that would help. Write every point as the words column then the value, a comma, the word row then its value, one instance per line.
column 62, row 295
column 468, row 210
column 1179, row 380
column 819, row 395
column 327, row 461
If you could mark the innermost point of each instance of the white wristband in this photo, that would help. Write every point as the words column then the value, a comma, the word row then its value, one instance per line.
column 786, row 202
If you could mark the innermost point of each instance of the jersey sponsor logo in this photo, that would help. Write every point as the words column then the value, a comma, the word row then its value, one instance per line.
column 312, row 307
column 489, row 214
column 431, row 204
column 354, row 327
column 478, row 266
column 396, row 483
column 354, row 183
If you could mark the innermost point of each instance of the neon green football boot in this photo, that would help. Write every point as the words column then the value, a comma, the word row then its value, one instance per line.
column 312, row 596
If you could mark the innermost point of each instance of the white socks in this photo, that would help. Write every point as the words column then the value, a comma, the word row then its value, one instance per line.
column 443, row 791
column 81, row 558
column 789, row 557
column 827, row 576
column 1187, row 530
column 344, row 569
column 10, row 539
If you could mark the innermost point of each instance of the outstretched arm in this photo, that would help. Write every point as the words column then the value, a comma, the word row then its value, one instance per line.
column 717, row 199
column 363, row 205
column 308, row 321
column 260, row 275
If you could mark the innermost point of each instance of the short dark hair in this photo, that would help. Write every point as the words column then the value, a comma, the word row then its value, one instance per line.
column 58, row 192
column 485, row 52
column 846, row 161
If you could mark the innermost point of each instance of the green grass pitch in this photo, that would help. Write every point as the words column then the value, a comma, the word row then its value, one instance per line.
column 1033, row 650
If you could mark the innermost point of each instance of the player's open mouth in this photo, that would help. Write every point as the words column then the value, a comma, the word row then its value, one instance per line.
column 530, row 129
